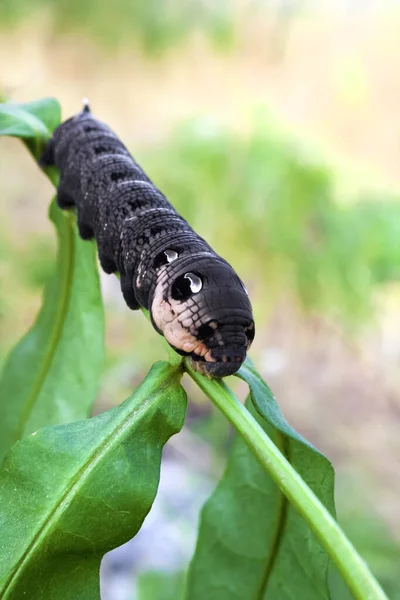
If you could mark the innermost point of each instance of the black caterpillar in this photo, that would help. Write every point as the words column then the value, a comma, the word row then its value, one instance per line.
column 195, row 298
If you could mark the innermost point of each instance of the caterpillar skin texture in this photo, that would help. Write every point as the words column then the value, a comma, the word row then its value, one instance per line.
column 195, row 298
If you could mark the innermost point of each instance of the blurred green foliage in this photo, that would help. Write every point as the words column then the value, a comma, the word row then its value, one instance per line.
column 153, row 25
column 378, row 547
column 273, row 211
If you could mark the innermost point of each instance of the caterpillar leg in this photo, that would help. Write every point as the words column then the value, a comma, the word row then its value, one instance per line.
column 85, row 230
column 64, row 199
column 128, row 293
column 107, row 264
column 47, row 157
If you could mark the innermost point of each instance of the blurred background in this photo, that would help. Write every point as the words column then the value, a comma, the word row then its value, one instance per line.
column 273, row 127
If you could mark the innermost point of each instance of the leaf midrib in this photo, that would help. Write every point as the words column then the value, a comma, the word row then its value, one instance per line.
column 279, row 529
column 282, row 443
column 57, row 328
column 78, row 480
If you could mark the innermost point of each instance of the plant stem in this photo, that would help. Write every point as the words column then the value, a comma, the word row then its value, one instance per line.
column 354, row 570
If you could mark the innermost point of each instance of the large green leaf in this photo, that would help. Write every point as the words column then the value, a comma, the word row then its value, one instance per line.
column 34, row 122
column 68, row 494
column 51, row 376
column 252, row 543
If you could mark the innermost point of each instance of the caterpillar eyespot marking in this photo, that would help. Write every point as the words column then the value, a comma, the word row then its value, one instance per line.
column 186, row 286
column 195, row 298
column 195, row 282
column 171, row 255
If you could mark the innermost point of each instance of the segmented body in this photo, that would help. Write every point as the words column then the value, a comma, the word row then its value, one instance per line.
column 195, row 298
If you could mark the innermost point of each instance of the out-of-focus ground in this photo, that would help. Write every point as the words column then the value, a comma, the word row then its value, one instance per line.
column 282, row 147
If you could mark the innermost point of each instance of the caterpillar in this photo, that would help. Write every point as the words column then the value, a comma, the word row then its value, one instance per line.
column 195, row 298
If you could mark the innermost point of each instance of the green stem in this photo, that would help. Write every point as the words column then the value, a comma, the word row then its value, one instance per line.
column 354, row 570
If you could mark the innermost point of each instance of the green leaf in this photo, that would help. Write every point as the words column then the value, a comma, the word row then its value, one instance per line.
column 34, row 122
column 51, row 376
column 69, row 494
column 252, row 543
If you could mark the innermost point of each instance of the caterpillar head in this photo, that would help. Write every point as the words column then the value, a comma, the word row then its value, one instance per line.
column 202, row 309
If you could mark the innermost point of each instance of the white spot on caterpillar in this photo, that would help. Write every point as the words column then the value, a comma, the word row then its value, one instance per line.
column 171, row 255
column 195, row 282
column 139, row 275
